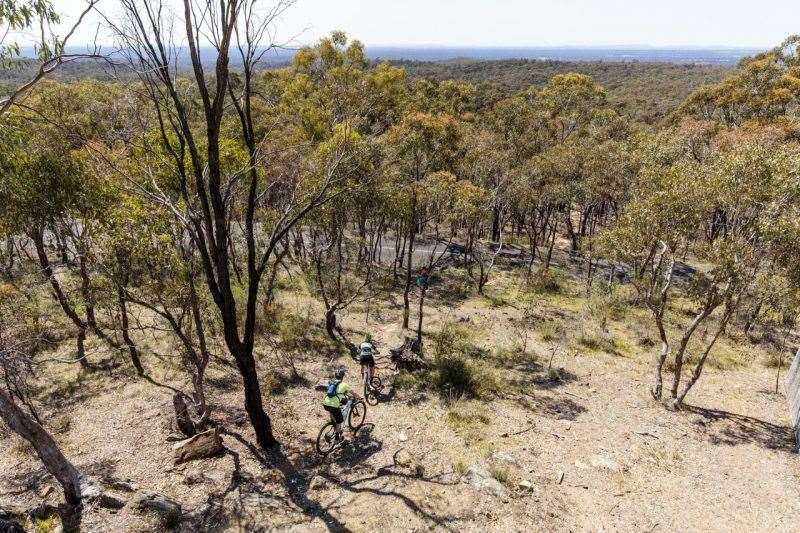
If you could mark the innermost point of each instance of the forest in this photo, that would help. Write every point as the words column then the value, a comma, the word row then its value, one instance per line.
column 188, row 252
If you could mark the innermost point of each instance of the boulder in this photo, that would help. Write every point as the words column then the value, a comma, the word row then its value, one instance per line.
column 202, row 445
column 480, row 478
column 165, row 508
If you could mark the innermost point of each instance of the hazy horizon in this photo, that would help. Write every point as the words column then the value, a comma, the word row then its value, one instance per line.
column 712, row 24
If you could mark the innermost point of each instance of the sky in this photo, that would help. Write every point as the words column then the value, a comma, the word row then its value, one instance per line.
column 661, row 23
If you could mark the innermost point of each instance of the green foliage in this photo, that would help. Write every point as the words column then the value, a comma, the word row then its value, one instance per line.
column 545, row 282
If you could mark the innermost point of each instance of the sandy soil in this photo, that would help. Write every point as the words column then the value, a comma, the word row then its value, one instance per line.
column 597, row 453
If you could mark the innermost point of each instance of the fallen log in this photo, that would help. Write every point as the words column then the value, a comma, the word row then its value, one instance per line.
column 408, row 356
column 202, row 445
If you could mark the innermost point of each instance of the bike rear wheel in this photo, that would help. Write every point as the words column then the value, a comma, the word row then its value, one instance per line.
column 370, row 395
column 358, row 414
column 326, row 440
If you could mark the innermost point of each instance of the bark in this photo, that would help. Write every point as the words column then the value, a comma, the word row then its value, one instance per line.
column 125, row 328
column 200, row 446
column 698, row 369
column 698, row 319
column 46, row 448
column 262, row 425
column 409, row 269
column 58, row 293
column 423, row 290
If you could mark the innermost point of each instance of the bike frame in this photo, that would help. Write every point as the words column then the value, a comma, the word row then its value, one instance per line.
column 346, row 409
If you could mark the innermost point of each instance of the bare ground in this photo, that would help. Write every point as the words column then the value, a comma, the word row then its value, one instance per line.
column 596, row 451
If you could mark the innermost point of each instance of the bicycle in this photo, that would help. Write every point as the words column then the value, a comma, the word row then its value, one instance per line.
column 371, row 390
column 355, row 412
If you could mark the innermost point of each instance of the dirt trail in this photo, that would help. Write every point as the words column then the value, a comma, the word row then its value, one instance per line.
column 594, row 451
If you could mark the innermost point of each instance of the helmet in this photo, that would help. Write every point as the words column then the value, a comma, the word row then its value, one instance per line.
column 339, row 374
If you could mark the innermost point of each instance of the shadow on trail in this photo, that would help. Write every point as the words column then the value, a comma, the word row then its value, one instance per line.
column 387, row 474
column 294, row 481
column 724, row 427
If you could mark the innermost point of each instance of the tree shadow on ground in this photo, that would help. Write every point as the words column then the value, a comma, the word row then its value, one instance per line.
column 386, row 474
column 559, row 408
column 295, row 482
column 731, row 429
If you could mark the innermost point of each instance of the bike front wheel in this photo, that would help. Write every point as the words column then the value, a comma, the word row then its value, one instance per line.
column 326, row 440
column 358, row 413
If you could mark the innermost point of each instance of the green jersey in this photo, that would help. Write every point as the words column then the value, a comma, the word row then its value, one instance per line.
column 336, row 400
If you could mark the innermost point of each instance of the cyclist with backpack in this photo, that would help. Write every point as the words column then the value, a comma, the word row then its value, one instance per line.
column 366, row 353
column 337, row 391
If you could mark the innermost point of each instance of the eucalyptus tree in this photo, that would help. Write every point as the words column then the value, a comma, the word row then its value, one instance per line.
column 750, row 191
column 260, row 194
column 15, row 16
column 421, row 143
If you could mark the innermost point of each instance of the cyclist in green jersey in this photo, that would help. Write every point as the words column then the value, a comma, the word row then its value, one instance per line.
column 336, row 396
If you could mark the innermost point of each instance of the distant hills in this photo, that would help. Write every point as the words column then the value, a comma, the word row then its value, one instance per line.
column 644, row 54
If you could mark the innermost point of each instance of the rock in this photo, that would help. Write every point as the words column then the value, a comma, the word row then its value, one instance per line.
column 167, row 509
column 107, row 500
column 317, row 482
column 257, row 502
column 507, row 458
column 206, row 444
column 46, row 491
column 402, row 437
column 580, row 464
column 9, row 526
column 527, row 485
column 123, row 485
column 560, row 477
column 193, row 478
column 481, row 479
column 599, row 461
column 403, row 457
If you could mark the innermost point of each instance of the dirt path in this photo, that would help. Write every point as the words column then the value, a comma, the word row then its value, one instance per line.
column 592, row 451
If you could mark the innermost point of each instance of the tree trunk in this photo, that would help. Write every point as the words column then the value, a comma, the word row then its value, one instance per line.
column 423, row 290
column 409, row 269
column 261, row 423
column 46, row 448
column 58, row 293
column 698, row 369
column 660, row 359
column 698, row 319
column 125, row 327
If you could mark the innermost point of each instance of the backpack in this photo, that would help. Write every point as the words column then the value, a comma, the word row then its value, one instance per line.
column 332, row 386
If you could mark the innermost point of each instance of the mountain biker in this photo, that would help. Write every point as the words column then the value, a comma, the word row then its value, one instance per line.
column 366, row 357
column 332, row 402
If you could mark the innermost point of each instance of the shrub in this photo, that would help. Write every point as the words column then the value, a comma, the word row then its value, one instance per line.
column 503, row 475
column 545, row 282
column 550, row 330
column 409, row 380
column 455, row 376
column 459, row 468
